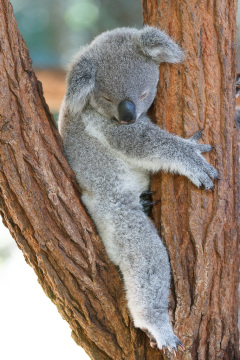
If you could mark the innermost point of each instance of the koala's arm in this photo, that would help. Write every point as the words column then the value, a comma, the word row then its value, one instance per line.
column 149, row 147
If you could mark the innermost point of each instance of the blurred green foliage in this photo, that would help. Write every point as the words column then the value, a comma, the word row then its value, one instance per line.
column 54, row 30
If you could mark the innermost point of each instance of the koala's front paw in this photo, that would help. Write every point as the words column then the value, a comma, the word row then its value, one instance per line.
column 146, row 201
column 164, row 339
column 199, row 170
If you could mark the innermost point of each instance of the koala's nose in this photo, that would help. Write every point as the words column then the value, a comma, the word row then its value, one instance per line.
column 126, row 112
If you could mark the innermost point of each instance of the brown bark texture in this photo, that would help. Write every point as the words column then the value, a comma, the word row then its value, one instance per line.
column 200, row 228
column 39, row 196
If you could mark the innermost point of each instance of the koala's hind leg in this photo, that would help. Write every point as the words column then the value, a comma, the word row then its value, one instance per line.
column 144, row 263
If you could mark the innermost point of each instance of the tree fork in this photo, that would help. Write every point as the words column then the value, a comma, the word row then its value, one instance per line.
column 39, row 199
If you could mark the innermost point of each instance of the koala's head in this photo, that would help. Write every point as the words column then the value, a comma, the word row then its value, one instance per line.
column 118, row 72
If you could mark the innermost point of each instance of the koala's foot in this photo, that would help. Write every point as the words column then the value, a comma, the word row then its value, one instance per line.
column 166, row 340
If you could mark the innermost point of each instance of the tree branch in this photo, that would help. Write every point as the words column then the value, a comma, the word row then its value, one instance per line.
column 40, row 204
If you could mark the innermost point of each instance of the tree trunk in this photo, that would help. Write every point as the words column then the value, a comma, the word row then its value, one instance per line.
column 39, row 196
column 199, row 227
column 39, row 203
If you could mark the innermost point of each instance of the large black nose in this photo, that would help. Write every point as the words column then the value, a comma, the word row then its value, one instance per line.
column 126, row 112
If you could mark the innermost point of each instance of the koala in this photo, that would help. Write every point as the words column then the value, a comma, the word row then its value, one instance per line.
column 113, row 147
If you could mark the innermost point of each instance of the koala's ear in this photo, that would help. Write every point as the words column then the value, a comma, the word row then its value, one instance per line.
column 80, row 83
column 157, row 45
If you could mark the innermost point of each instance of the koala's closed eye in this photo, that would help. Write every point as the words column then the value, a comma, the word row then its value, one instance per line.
column 106, row 98
column 144, row 95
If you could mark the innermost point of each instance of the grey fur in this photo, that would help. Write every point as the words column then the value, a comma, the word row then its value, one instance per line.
column 112, row 162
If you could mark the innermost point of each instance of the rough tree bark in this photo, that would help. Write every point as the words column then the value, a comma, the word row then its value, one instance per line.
column 199, row 227
column 39, row 197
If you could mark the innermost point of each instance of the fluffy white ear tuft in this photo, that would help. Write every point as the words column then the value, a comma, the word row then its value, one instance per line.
column 159, row 46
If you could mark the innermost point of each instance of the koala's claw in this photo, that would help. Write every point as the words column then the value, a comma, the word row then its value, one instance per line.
column 153, row 342
column 171, row 348
column 180, row 345
column 197, row 136
column 173, row 351
column 204, row 148
column 147, row 193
